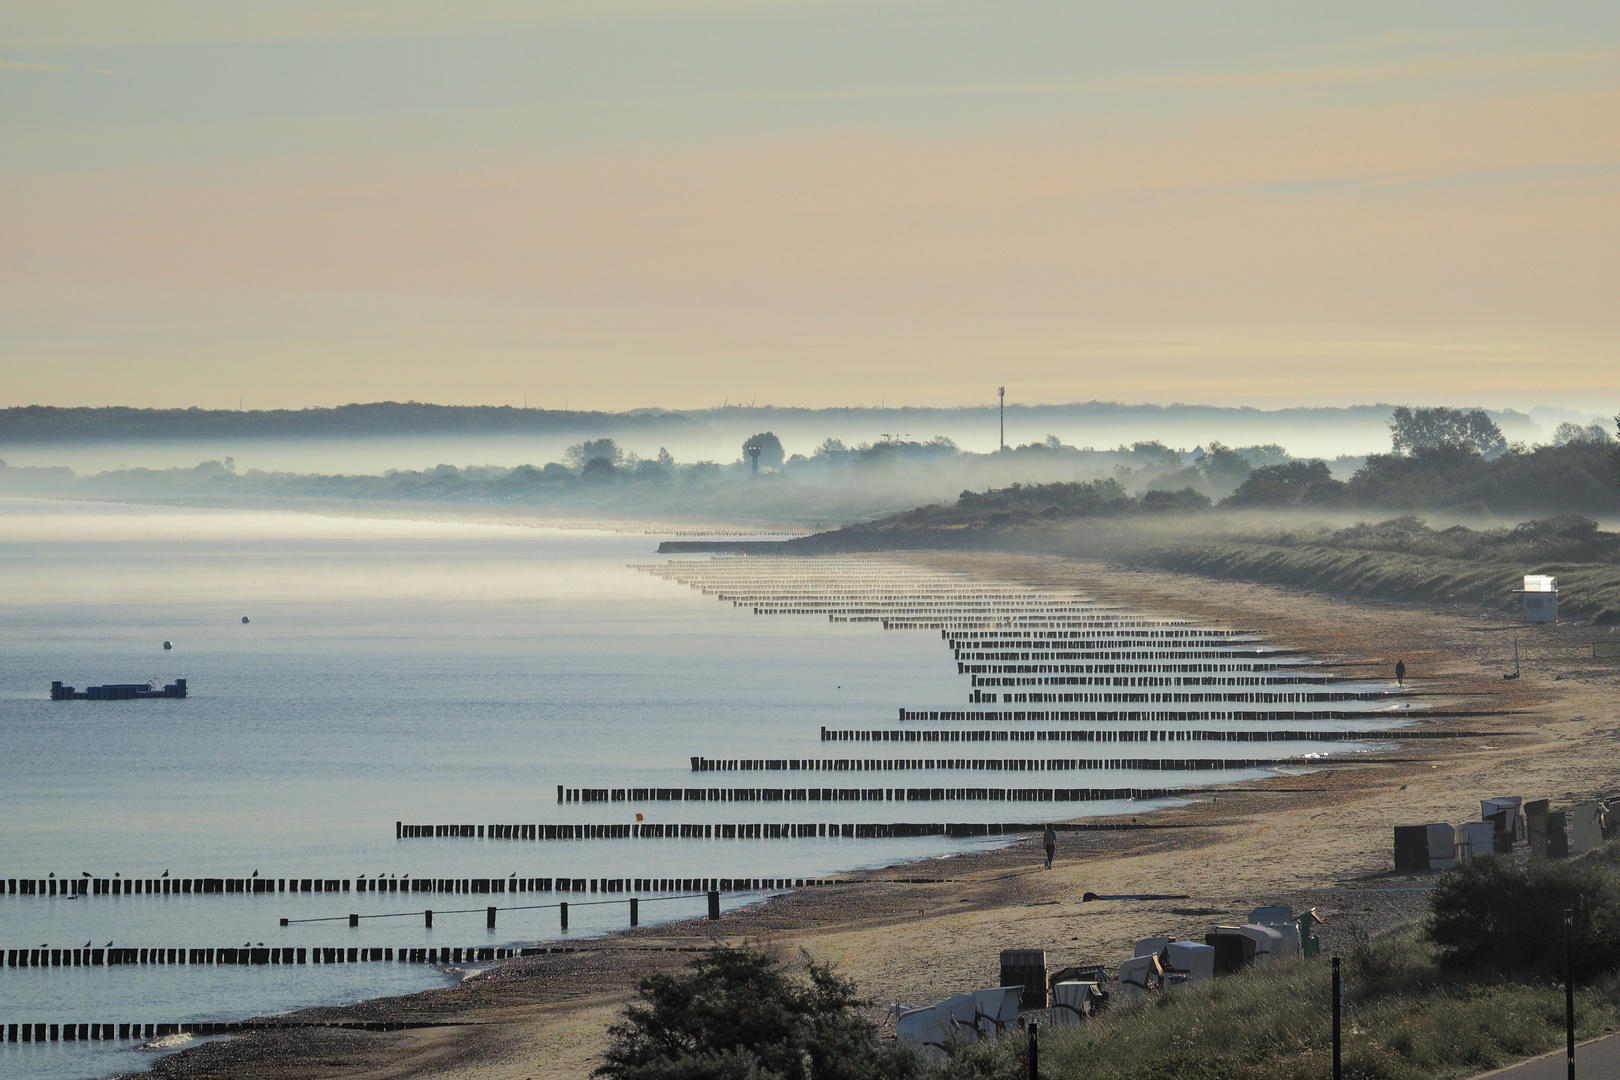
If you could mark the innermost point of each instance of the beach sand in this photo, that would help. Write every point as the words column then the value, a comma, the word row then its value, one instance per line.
column 1319, row 839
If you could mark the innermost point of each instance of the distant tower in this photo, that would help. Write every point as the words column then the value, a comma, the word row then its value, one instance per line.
column 753, row 449
column 1001, row 391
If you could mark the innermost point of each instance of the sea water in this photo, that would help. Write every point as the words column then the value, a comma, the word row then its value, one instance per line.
column 393, row 670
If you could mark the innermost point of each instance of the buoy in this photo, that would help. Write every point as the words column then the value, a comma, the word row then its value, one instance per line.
column 168, row 644
column 244, row 620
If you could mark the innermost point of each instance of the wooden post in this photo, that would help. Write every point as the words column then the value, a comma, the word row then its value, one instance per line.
column 714, row 905
column 635, row 911
column 489, row 918
column 428, row 918
column 354, row 919
column 564, row 908
column 1338, row 1004
column 1569, row 989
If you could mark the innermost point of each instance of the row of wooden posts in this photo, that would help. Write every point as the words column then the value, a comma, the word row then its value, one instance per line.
column 249, row 955
column 515, row 884
column 1154, row 716
column 24, row 1033
column 924, row 794
column 988, row 765
column 1101, row 735
column 634, row 904
column 769, row 830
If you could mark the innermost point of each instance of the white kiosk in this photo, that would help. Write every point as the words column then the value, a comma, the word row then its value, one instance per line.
column 1540, row 598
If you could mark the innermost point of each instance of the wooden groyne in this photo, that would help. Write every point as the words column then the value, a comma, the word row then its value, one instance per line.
column 833, row 830
column 248, row 956
column 983, row 764
column 124, row 1032
column 918, row 794
column 1177, row 716
column 475, row 886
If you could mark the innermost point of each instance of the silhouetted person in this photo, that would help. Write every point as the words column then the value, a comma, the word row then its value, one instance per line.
column 1400, row 673
column 1050, row 839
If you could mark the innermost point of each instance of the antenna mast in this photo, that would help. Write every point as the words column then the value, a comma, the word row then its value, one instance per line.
column 1001, row 391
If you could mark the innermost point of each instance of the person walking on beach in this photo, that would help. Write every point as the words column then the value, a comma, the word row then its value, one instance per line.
column 1400, row 673
column 1050, row 839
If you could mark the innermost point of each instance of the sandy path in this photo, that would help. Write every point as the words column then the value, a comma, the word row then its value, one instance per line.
column 1319, row 839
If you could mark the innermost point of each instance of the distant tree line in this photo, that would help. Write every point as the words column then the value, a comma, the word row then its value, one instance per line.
column 45, row 423
column 1447, row 459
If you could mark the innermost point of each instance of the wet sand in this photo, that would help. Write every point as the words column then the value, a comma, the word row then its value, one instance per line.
column 1320, row 839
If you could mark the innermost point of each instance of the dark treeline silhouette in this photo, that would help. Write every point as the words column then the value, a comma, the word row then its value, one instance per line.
column 1581, row 476
column 46, row 423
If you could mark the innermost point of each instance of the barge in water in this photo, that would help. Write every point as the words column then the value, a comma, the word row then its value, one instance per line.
column 118, row 691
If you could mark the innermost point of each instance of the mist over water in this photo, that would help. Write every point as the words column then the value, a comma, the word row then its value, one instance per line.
column 418, row 671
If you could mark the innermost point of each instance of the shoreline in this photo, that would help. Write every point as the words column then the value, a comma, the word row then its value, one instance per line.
column 1317, row 839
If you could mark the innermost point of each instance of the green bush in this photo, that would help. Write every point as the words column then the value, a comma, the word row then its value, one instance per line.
column 1493, row 913
column 737, row 1014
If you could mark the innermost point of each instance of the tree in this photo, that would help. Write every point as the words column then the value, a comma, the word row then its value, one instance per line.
column 1281, row 485
column 770, row 449
column 1614, row 455
column 701, row 472
column 1223, row 464
column 1425, row 429
column 737, row 1014
column 598, row 468
column 578, row 455
column 1569, row 433
column 831, row 448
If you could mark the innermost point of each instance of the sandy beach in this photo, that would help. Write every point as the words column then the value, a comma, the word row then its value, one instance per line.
column 1320, row 839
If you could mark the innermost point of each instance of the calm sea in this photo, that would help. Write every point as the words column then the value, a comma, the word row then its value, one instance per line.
column 431, row 672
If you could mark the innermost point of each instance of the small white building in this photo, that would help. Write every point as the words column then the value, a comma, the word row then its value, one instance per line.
column 1540, row 598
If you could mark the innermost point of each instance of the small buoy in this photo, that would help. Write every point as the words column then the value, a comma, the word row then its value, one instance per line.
column 168, row 644
column 244, row 619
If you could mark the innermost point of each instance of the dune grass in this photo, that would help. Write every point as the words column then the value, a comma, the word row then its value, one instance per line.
column 1584, row 589
column 1405, row 1018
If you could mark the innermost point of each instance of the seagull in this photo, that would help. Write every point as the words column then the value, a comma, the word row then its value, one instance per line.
column 255, row 873
column 87, row 944
column 165, row 873
column 84, row 873
column 107, row 946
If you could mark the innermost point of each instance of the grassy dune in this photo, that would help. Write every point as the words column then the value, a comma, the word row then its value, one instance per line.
column 1400, row 558
column 1585, row 589
column 1405, row 1019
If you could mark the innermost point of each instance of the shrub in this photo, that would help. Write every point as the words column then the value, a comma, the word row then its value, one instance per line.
column 737, row 1014
column 1491, row 912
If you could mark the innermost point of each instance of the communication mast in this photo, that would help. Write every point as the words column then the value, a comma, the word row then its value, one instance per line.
column 1001, row 391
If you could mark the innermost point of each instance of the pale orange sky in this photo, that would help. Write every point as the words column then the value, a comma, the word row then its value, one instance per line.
column 821, row 204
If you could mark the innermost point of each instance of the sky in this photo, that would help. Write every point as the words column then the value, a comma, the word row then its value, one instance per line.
column 626, row 203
